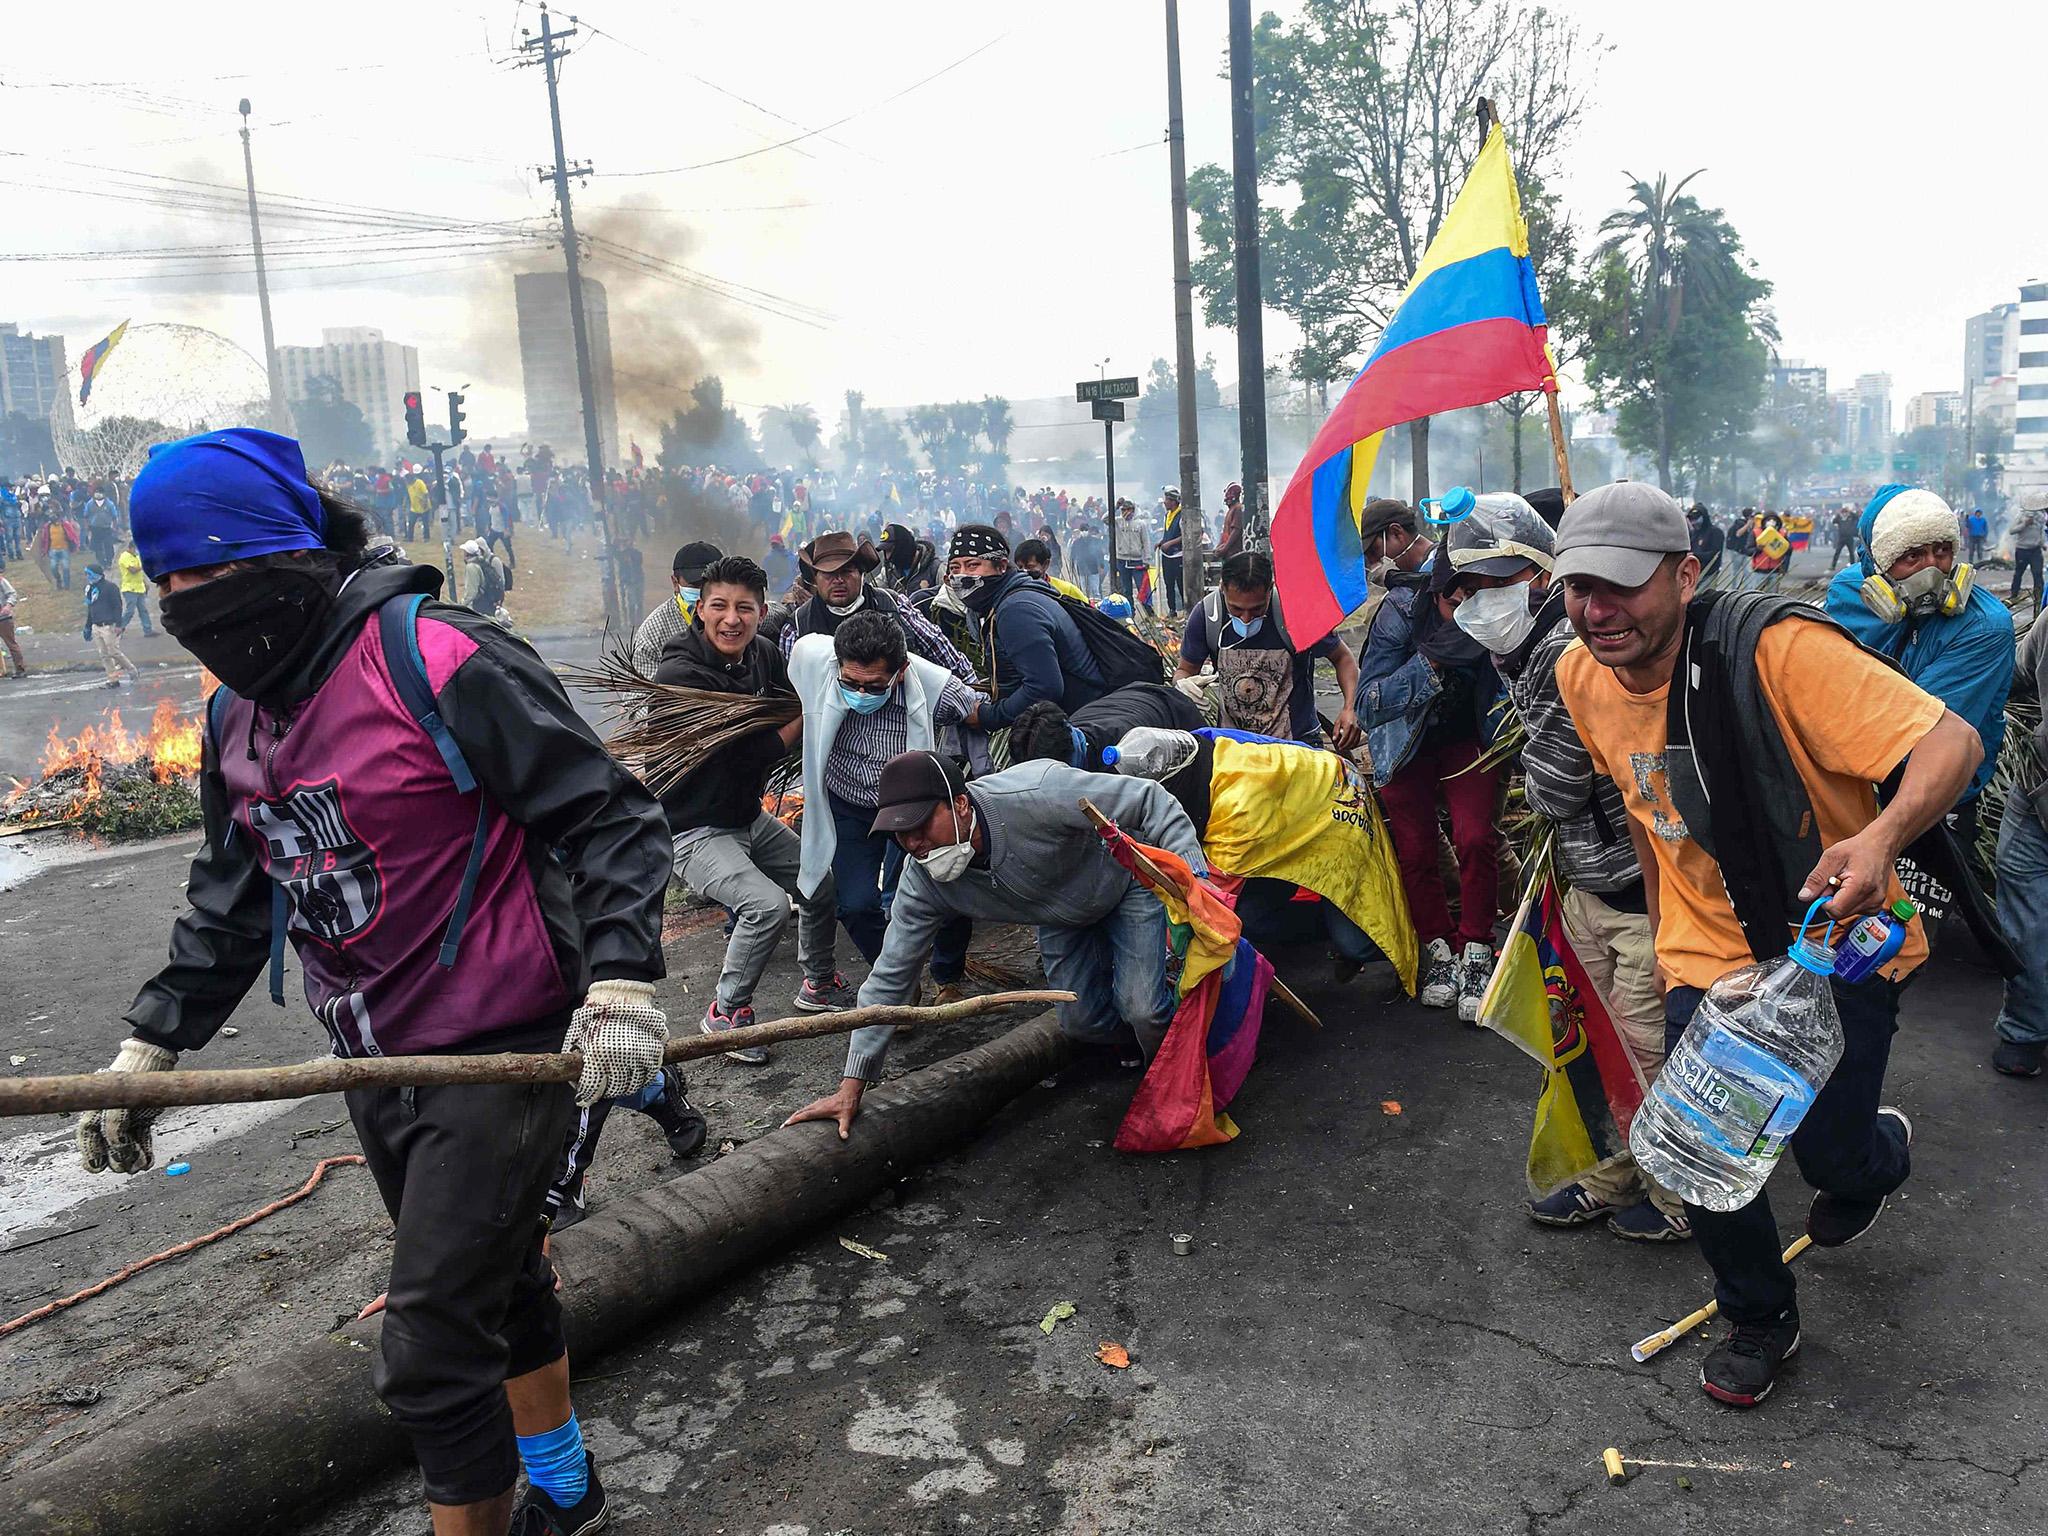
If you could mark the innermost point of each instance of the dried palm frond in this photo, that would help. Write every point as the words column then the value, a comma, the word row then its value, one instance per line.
column 666, row 731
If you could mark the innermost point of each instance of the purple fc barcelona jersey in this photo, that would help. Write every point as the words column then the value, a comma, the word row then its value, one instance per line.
column 353, row 812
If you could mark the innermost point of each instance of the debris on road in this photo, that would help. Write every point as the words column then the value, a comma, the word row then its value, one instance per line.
column 1060, row 1312
column 863, row 1250
column 1113, row 1355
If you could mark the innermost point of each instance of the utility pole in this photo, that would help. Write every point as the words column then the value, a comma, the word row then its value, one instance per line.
column 1193, row 531
column 552, row 46
column 1251, row 336
column 280, row 419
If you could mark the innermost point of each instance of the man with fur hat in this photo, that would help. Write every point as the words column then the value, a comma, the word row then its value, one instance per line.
column 835, row 566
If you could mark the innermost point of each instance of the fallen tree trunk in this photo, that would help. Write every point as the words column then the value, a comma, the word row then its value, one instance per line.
column 257, row 1449
column 329, row 1074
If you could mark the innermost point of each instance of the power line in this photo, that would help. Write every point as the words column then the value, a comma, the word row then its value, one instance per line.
column 828, row 127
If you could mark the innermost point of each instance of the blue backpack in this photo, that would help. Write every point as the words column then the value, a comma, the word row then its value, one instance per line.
column 398, row 626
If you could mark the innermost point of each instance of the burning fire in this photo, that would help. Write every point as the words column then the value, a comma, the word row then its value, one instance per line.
column 168, row 750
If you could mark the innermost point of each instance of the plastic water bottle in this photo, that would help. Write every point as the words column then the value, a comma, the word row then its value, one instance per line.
column 1873, row 942
column 1150, row 752
column 1741, row 1078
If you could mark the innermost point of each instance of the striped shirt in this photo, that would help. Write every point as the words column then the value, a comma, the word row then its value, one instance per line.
column 1560, row 782
column 853, row 768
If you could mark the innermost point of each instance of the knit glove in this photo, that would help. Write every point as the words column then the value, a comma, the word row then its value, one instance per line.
column 620, row 1033
column 122, row 1136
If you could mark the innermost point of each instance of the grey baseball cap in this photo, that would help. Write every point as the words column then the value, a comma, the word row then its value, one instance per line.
column 1620, row 533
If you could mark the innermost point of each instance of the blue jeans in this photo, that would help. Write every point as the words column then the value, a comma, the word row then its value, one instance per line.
column 865, row 869
column 2022, row 866
column 1271, row 915
column 60, row 569
column 1841, row 1147
column 135, row 605
column 1116, row 969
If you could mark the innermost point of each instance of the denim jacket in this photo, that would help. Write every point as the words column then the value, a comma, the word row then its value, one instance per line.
column 1398, row 688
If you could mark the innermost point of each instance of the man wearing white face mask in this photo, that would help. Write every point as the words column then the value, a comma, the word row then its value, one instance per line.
column 1265, row 685
column 1502, row 555
column 1015, row 847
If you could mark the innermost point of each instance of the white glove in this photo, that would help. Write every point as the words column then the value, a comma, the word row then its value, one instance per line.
column 1196, row 687
column 122, row 1136
column 620, row 1033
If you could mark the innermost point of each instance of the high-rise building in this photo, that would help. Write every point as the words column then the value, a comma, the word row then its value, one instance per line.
column 1934, row 408
column 1790, row 376
column 373, row 375
column 34, row 376
column 547, row 362
column 1990, row 345
column 2027, row 470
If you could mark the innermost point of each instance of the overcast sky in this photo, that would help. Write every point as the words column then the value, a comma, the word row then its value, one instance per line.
column 1000, row 226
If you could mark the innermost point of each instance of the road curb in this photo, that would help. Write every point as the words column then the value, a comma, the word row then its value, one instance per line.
column 260, row 1447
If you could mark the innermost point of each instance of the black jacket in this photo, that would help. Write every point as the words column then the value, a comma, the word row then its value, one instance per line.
column 599, row 858
column 726, row 791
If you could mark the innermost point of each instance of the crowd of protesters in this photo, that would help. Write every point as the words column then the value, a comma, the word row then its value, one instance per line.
column 949, row 709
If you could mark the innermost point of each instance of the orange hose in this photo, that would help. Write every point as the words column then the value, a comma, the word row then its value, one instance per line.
column 51, row 1307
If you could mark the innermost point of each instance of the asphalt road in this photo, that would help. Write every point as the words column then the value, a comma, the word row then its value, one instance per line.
column 1369, row 1336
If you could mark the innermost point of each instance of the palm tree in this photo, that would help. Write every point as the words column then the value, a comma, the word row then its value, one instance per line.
column 1671, row 247
column 997, row 423
column 804, row 429
column 850, row 428
column 928, row 424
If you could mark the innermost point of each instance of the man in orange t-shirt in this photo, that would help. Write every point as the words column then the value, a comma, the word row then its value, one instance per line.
column 1847, row 721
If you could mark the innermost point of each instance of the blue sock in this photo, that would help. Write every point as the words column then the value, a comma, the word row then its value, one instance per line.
column 554, row 1463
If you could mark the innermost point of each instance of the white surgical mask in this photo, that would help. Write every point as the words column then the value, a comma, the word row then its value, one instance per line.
column 1497, row 617
column 853, row 607
column 950, row 862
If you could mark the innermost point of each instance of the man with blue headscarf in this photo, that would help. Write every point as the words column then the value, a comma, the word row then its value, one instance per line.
column 401, row 789
column 1910, row 599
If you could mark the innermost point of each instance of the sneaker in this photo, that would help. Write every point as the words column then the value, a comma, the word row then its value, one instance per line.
column 1832, row 1221
column 1439, row 987
column 682, row 1126
column 539, row 1515
column 2017, row 1058
column 1742, row 1368
column 1572, row 1206
column 832, row 995
column 1475, row 970
column 1644, row 1223
column 717, row 1021
column 568, row 1213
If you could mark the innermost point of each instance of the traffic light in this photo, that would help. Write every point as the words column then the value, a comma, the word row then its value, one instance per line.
column 415, row 420
column 455, row 432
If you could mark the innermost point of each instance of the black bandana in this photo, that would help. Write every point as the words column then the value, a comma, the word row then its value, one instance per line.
column 973, row 541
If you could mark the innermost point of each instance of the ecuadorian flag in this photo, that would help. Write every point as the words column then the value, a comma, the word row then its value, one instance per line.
column 1468, row 331
column 95, row 359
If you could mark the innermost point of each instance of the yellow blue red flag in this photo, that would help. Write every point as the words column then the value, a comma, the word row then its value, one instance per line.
column 95, row 359
column 1541, row 999
column 1469, row 330
column 1282, row 811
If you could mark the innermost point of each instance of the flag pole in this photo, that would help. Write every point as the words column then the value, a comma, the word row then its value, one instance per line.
column 1483, row 110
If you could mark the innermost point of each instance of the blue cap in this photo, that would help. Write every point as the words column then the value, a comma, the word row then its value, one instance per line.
column 1111, row 757
column 219, row 496
column 1454, row 504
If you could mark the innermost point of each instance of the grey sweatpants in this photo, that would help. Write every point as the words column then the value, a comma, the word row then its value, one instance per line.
column 752, row 872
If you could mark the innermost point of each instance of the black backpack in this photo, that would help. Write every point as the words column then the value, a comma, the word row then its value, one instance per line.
column 1120, row 656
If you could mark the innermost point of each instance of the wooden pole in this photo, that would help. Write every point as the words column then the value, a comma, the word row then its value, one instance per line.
column 1160, row 884
column 1662, row 1340
column 250, row 1085
column 1557, row 444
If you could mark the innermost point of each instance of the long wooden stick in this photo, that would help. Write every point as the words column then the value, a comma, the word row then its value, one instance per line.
column 1557, row 447
column 1161, row 884
column 1658, row 1342
column 250, row 1085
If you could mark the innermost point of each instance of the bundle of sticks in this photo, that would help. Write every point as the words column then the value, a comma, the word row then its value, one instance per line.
column 666, row 732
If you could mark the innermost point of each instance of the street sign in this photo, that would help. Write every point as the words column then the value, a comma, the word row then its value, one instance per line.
column 1106, row 389
column 1905, row 463
column 1109, row 410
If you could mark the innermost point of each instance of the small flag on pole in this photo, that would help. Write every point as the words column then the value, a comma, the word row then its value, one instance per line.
column 95, row 359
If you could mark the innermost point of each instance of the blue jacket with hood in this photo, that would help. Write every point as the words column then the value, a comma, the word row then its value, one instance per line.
column 1965, row 661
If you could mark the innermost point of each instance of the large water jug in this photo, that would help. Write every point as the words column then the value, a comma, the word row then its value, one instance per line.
column 1150, row 752
column 1741, row 1078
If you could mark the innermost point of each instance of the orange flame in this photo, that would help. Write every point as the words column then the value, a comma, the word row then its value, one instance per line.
column 170, row 747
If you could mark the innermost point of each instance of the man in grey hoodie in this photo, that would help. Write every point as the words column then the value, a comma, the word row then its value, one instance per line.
column 1016, row 847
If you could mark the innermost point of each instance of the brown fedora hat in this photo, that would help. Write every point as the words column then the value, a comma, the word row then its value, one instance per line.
column 832, row 551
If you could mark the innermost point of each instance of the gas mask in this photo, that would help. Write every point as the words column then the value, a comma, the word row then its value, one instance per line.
column 950, row 862
column 1929, row 593
column 1499, row 618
